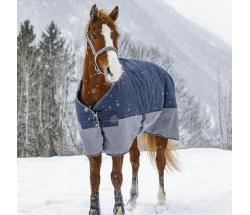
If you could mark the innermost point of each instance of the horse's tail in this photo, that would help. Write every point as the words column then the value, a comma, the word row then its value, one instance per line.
column 148, row 142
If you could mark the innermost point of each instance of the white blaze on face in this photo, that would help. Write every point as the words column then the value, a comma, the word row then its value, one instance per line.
column 114, row 65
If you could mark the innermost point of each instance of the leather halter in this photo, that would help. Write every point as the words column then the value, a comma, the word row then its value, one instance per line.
column 96, row 54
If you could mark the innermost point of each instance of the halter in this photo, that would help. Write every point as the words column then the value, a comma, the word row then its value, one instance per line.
column 96, row 54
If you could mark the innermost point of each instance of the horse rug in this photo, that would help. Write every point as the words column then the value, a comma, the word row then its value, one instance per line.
column 142, row 100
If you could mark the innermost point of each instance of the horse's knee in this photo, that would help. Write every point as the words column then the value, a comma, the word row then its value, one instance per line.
column 116, row 174
column 116, row 177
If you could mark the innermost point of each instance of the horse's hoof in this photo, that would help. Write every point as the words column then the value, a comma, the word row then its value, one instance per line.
column 119, row 210
column 131, row 205
column 160, row 208
column 134, row 195
column 94, row 212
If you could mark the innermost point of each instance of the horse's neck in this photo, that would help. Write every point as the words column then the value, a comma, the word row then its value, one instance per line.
column 94, row 86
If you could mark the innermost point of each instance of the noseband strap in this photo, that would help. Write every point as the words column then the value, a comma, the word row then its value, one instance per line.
column 96, row 54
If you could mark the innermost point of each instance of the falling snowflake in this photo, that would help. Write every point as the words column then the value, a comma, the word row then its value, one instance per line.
column 93, row 91
column 114, row 118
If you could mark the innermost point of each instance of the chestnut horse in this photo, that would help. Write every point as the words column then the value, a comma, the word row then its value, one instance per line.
column 101, row 69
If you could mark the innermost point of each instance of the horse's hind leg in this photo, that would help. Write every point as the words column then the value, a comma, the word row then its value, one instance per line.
column 135, row 163
column 161, row 144
column 95, row 166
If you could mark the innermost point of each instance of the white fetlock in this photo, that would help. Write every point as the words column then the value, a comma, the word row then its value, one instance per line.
column 161, row 206
column 161, row 196
column 131, row 205
column 134, row 192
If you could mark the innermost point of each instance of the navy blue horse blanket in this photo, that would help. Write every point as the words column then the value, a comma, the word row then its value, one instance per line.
column 142, row 100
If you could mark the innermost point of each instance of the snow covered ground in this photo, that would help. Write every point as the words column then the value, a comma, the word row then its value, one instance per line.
column 60, row 185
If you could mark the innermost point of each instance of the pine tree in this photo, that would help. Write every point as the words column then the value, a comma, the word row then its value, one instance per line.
column 27, row 65
column 52, row 48
column 46, row 114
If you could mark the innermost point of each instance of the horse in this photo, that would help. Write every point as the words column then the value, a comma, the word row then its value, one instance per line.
column 103, row 77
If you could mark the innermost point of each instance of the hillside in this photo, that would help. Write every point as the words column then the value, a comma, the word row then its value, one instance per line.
column 198, row 54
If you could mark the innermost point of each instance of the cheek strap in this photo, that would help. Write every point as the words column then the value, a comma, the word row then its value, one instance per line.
column 96, row 54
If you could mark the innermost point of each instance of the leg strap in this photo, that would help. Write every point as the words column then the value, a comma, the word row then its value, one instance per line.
column 94, row 204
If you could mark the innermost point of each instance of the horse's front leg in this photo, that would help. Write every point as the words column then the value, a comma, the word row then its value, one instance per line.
column 95, row 166
column 116, row 178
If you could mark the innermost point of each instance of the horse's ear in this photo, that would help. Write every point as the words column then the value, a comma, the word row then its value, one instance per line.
column 93, row 12
column 114, row 13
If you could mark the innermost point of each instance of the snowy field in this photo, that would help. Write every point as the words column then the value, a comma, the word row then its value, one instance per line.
column 60, row 185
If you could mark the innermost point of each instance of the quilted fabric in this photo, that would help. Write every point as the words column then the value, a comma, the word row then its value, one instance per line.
column 142, row 100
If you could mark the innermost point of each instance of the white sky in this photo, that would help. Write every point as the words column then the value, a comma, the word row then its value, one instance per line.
column 213, row 15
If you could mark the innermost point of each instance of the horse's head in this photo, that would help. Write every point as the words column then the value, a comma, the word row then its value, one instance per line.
column 102, row 35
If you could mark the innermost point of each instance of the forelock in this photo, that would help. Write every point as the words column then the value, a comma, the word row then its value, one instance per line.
column 103, row 15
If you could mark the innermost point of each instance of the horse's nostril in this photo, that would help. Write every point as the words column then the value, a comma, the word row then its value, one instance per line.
column 109, row 72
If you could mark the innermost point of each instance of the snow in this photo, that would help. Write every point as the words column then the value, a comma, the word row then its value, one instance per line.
column 72, row 19
column 60, row 185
